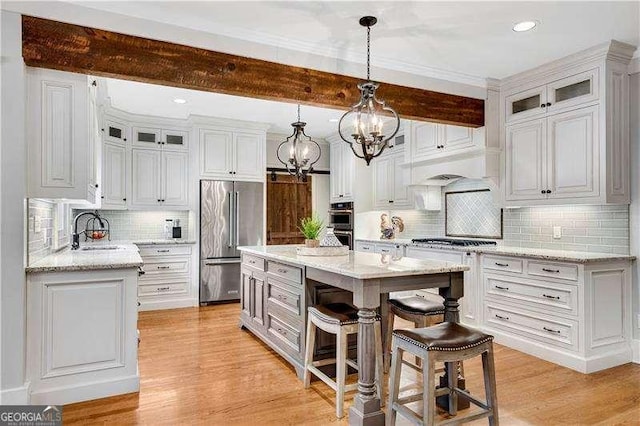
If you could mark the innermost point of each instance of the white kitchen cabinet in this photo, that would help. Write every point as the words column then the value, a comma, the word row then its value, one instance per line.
column 525, row 160
column 573, row 148
column 343, row 165
column 428, row 141
column 166, row 283
column 554, row 158
column 391, row 181
column 159, row 178
column 574, row 314
column 568, row 92
column 115, row 176
column 115, row 131
column 81, row 335
column 159, row 138
column 232, row 155
column 61, row 136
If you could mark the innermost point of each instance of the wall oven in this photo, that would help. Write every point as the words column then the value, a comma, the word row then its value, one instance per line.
column 341, row 216
column 345, row 237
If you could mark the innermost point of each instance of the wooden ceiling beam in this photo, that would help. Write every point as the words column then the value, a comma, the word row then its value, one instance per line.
column 74, row 48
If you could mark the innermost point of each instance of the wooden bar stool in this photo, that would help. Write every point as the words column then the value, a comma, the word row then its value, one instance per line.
column 340, row 319
column 420, row 311
column 450, row 343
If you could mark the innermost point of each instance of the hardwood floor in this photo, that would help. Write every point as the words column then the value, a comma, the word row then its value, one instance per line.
column 198, row 367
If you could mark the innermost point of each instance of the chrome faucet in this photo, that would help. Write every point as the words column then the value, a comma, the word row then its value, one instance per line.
column 75, row 244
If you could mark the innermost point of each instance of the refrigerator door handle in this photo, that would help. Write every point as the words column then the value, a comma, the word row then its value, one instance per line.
column 237, row 219
column 230, row 244
column 221, row 262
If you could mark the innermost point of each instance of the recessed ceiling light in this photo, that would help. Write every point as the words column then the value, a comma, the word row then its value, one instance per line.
column 524, row 26
column 180, row 101
column 334, row 120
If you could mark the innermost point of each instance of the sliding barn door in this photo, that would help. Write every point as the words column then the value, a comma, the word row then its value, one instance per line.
column 288, row 201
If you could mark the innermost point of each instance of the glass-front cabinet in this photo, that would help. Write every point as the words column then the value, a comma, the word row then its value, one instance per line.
column 530, row 103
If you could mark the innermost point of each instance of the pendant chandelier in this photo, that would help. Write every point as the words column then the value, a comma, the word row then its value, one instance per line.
column 364, row 122
column 300, row 151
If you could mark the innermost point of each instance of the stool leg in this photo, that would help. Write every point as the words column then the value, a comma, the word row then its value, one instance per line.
column 341, row 372
column 428, row 391
column 379, row 362
column 489, row 371
column 387, row 340
column 394, row 383
column 308, row 357
column 452, row 374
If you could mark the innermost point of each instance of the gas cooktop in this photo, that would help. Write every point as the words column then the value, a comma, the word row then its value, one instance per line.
column 453, row 242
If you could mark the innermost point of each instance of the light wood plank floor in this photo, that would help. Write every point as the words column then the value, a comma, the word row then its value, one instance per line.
column 198, row 367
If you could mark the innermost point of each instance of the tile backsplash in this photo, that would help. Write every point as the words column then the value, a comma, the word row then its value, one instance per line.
column 40, row 217
column 592, row 228
column 138, row 225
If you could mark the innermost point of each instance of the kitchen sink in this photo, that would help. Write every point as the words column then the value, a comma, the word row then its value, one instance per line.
column 92, row 248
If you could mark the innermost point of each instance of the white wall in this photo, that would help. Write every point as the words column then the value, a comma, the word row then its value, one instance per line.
column 634, row 211
column 12, row 214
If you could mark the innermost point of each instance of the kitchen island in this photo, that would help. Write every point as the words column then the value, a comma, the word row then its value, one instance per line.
column 277, row 288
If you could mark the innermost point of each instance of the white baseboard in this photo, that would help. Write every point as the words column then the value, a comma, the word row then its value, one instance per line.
column 15, row 396
column 635, row 348
column 85, row 392
column 615, row 357
column 153, row 305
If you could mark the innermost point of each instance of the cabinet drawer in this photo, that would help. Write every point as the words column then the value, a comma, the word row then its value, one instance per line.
column 554, row 331
column 553, row 270
column 366, row 247
column 165, row 266
column 284, row 271
column 285, row 296
column 541, row 295
column 164, row 288
column 173, row 250
column 285, row 334
column 253, row 261
column 507, row 264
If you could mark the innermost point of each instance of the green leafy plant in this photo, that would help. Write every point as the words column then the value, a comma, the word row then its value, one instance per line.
column 311, row 227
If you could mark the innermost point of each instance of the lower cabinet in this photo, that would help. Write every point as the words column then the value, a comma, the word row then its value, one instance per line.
column 82, row 342
column 166, row 283
column 576, row 315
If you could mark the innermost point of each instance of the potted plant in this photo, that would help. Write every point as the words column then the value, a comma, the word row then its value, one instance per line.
column 311, row 228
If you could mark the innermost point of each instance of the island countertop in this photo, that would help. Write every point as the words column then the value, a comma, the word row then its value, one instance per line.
column 356, row 264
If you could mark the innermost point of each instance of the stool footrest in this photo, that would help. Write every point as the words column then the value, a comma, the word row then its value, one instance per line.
column 464, row 419
column 330, row 382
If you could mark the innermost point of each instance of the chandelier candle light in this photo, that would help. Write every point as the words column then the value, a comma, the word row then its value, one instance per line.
column 368, row 114
column 301, row 152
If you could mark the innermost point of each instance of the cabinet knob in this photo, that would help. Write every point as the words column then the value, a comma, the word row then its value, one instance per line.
column 96, row 185
column 102, row 197
column 543, row 192
column 548, row 103
column 548, row 191
column 542, row 106
column 159, row 200
column 124, row 199
column 125, row 139
column 391, row 201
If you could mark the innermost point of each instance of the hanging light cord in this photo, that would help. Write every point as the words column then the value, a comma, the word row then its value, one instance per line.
column 368, row 53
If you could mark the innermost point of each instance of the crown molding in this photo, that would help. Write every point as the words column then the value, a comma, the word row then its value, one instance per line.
column 634, row 66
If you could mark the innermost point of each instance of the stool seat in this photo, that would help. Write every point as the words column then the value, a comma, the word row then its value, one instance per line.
column 447, row 336
column 417, row 305
column 336, row 313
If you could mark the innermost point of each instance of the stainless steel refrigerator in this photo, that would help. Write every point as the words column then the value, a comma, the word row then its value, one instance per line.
column 231, row 215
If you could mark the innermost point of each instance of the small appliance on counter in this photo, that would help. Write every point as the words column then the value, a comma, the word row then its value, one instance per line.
column 177, row 229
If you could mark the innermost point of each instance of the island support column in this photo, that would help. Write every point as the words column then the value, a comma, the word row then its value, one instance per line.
column 365, row 409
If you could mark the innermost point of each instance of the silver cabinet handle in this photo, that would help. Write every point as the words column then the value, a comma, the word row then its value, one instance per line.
column 253, row 262
column 163, row 288
column 163, row 251
column 548, row 296
column 502, row 288
column 282, row 271
column 550, row 330
column 555, row 271
column 501, row 264
column 502, row 318
column 164, row 267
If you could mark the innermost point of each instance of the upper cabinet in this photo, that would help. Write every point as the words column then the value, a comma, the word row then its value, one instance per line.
column 62, row 136
column 566, row 134
column 167, row 139
column 232, row 155
column 565, row 93
column 429, row 141
column 343, row 163
column 391, row 179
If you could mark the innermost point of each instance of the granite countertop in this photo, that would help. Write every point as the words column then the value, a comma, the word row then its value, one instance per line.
column 356, row 264
column 535, row 253
column 126, row 256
